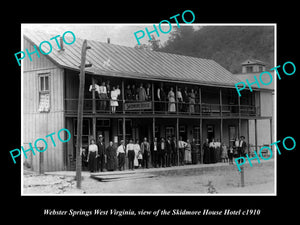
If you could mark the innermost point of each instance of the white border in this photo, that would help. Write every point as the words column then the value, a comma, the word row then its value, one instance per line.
column 166, row 194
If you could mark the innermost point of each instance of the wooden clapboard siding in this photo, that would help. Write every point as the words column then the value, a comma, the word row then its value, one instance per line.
column 39, row 124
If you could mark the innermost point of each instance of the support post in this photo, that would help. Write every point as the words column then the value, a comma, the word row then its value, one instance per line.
column 201, row 142
column 80, row 113
column 177, row 138
column 255, row 133
column 41, row 159
column 124, row 137
column 93, row 96
column 123, row 97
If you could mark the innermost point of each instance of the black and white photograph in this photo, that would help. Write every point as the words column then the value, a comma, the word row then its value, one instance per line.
column 149, row 109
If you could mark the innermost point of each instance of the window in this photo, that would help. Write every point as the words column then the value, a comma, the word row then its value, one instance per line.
column 232, row 134
column 249, row 69
column 44, row 92
column 196, row 134
column 170, row 132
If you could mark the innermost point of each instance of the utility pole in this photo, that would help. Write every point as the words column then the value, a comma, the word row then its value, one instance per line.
column 80, row 113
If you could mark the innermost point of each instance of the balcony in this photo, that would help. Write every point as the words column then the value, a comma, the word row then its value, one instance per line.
column 97, row 106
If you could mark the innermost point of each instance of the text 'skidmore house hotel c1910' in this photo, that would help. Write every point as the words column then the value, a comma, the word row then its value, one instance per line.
column 50, row 99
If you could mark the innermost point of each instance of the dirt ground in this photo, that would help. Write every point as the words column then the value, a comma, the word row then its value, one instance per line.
column 259, row 179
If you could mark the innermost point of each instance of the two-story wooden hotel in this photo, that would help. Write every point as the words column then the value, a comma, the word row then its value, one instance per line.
column 50, row 98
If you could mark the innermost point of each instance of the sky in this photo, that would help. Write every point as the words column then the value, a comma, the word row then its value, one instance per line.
column 120, row 34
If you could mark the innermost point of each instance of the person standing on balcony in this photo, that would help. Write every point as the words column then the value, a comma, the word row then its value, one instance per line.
column 103, row 96
column 162, row 98
column 179, row 99
column 185, row 97
column 142, row 93
column 114, row 100
column 128, row 93
column 148, row 92
column 171, row 98
column 192, row 101
column 134, row 93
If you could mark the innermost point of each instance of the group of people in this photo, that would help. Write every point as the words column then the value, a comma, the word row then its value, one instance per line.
column 215, row 151
column 110, row 95
column 107, row 95
column 161, row 153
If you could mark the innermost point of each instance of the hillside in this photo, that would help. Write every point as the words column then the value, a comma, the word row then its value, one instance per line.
column 227, row 45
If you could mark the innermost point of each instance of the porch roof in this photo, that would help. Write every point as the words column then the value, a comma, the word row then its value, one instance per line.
column 121, row 61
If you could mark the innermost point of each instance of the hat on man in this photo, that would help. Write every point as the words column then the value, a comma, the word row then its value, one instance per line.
column 242, row 137
column 100, row 136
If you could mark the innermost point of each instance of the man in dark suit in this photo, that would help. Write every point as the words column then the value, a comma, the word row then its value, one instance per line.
column 154, row 152
column 174, row 152
column 242, row 147
column 168, row 152
column 101, row 154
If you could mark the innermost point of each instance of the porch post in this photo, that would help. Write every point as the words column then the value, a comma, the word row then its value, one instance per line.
column 177, row 138
column 123, row 97
column 201, row 142
column 221, row 114
column 200, row 101
column 153, row 103
column 93, row 96
column 124, row 136
column 271, row 131
column 255, row 133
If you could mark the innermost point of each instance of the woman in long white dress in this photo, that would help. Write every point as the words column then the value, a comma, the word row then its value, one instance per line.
column 188, row 152
column 114, row 100
column 171, row 97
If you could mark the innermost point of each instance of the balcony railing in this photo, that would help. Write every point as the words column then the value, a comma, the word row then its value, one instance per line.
column 160, row 107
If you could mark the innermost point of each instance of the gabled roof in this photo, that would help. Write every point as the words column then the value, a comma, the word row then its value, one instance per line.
column 253, row 62
column 121, row 61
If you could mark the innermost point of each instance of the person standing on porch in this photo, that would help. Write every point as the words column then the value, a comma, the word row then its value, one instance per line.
column 224, row 155
column 121, row 155
column 114, row 99
column 111, row 154
column 103, row 96
column 101, row 154
column 131, row 154
column 91, row 157
column 212, row 151
column 142, row 93
column 242, row 147
column 162, row 153
column 181, row 146
column 206, row 152
column 154, row 153
column 145, row 148
column 179, row 99
column 137, row 154
column 174, row 154
column 192, row 101
column 171, row 98
column 168, row 152
column 187, row 152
